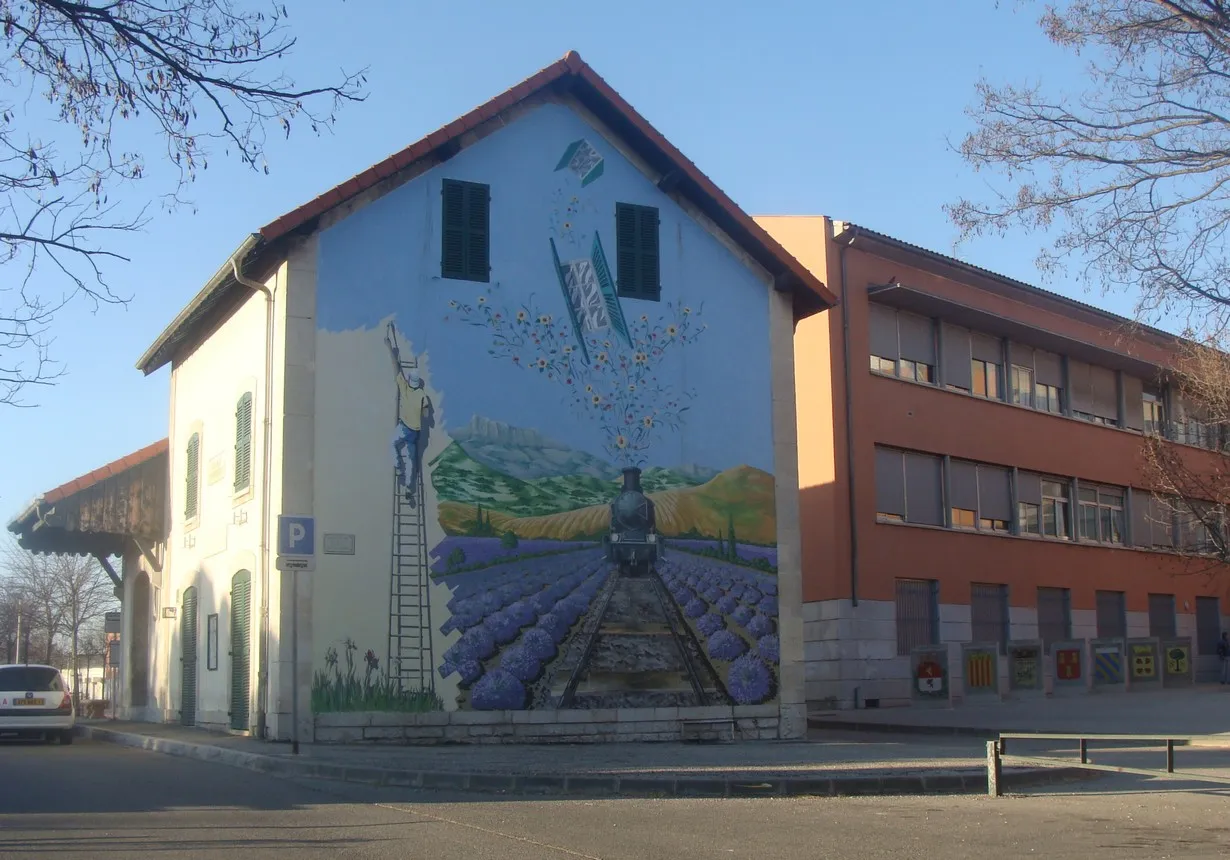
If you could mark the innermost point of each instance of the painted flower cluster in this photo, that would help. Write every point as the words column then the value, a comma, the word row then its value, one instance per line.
column 619, row 386
column 734, row 611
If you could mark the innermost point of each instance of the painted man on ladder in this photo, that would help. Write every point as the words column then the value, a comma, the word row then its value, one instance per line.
column 412, row 404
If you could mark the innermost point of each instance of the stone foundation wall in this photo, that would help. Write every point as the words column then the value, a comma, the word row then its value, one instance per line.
column 751, row 722
column 850, row 652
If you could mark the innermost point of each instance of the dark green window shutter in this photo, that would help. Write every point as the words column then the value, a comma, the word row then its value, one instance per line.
column 636, row 251
column 187, row 647
column 243, row 442
column 465, row 252
column 192, row 480
column 241, row 648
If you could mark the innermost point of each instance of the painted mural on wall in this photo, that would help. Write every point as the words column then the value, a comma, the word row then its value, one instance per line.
column 545, row 434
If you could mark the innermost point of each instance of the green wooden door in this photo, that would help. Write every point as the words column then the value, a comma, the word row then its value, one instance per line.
column 188, row 648
column 241, row 648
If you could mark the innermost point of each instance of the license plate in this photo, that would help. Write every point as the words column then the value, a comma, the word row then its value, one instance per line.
column 31, row 702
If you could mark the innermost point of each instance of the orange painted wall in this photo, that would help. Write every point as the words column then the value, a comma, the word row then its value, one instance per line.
column 919, row 417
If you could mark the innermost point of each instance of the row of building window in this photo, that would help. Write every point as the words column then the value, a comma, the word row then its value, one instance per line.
column 242, row 461
column 927, row 489
column 465, row 249
column 933, row 352
column 918, row 601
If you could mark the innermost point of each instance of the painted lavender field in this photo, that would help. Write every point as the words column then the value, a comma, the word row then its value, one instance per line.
column 745, row 551
column 470, row 553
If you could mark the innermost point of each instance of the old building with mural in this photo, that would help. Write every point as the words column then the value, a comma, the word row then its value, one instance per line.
column 531, row 380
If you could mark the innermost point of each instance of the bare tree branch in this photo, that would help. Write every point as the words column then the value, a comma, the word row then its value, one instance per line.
column 193, row 73
column 1133, row 172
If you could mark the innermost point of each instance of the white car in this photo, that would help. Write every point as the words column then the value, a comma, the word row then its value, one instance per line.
column 34, row 700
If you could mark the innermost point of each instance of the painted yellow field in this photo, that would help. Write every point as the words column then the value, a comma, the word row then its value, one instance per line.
column 742, row 494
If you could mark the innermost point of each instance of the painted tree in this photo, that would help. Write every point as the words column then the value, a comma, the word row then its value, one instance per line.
column 121, row 80
column 1128, row 174
column 618, row 387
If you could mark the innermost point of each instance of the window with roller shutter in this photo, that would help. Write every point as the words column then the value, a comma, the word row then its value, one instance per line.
column 192, row 477
column 465, row 253
column 243, row 443
column 637, row 255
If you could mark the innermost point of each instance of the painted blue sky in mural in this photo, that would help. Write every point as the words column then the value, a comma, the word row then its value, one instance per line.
column 694, row 385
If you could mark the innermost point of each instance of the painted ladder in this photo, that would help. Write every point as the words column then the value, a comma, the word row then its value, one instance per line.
column 410, row 661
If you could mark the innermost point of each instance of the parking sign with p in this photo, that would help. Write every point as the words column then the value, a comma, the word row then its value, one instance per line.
column 296, row 536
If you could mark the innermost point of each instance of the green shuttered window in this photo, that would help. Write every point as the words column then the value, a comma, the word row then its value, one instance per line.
column 636, row 254
column 466, row 222
column 243, row 442
column 241, row 648
column 192, row 479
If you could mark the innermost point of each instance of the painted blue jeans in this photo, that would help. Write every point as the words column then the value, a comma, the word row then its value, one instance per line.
column 406, row 444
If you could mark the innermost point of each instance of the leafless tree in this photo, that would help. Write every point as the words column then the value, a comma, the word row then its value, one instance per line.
column 87, row 88
column 85, row 592
column 10, row 610
column 32, row 579
column 1192, row 487
column 60, row 597
column 1130, row 176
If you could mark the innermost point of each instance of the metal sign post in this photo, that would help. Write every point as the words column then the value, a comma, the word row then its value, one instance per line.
column 296, row 552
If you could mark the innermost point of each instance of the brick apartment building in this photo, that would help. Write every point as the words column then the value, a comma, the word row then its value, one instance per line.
column 970, row 455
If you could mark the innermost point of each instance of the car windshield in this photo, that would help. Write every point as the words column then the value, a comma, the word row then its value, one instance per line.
column 29, row 678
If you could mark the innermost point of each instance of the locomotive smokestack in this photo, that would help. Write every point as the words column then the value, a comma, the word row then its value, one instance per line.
column 632, row 480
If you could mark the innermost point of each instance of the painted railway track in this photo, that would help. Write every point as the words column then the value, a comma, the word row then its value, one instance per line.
column 635, row 650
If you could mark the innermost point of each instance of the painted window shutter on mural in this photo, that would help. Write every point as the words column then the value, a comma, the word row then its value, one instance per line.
column 465, row 252
column 192, row 479
column 637, row 251
column 243, row 442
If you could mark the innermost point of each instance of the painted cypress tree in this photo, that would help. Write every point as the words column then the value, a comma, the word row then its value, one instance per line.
column 732, row 543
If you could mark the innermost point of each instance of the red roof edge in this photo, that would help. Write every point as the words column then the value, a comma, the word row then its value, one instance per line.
column 570, row 66
column 113, row 468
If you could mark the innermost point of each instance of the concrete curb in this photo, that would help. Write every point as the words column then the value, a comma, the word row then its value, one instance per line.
column 1215, row 741
column 590, row 785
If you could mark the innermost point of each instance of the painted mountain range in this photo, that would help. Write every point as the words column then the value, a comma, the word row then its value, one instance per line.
column 526, row 454
column 518, row 479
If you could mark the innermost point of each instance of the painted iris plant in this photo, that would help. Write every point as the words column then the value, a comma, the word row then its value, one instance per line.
column 619, row 387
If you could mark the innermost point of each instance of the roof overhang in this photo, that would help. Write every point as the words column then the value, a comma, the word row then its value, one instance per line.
column 101, row 512
column 205, row 304
column 927, row 304
column 951, row 268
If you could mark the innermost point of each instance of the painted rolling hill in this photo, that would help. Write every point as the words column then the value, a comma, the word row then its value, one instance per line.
column 744, row 495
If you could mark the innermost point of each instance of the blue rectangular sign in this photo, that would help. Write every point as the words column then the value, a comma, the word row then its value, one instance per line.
column 296, row 535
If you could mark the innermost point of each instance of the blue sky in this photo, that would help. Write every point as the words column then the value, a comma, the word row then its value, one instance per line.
column 791, row 107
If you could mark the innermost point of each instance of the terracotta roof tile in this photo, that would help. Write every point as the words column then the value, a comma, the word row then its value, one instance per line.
column 115, row 467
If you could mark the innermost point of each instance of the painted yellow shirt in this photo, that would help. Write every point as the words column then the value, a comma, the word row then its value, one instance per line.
column 411, row 400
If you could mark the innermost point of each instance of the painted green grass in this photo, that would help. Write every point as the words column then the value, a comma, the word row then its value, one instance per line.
column 335, row 691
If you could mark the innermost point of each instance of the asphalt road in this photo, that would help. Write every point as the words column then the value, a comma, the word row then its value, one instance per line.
column 99, row 800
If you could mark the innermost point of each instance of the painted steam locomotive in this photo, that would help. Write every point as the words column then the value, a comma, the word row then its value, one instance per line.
column 633, row 539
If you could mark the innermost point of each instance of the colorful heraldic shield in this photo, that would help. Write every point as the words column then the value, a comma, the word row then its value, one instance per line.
column 1068, row 664
column 1108, row 666
column 1142, row 662
column 1176, row 660
column 980, row 671
column 930, row 676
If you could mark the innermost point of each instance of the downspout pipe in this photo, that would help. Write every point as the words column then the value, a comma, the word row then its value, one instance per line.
column 262, row 683
column 849, row 402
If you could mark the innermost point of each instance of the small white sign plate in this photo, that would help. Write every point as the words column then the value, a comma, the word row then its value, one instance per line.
column 296, row 562
column 339, row 544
